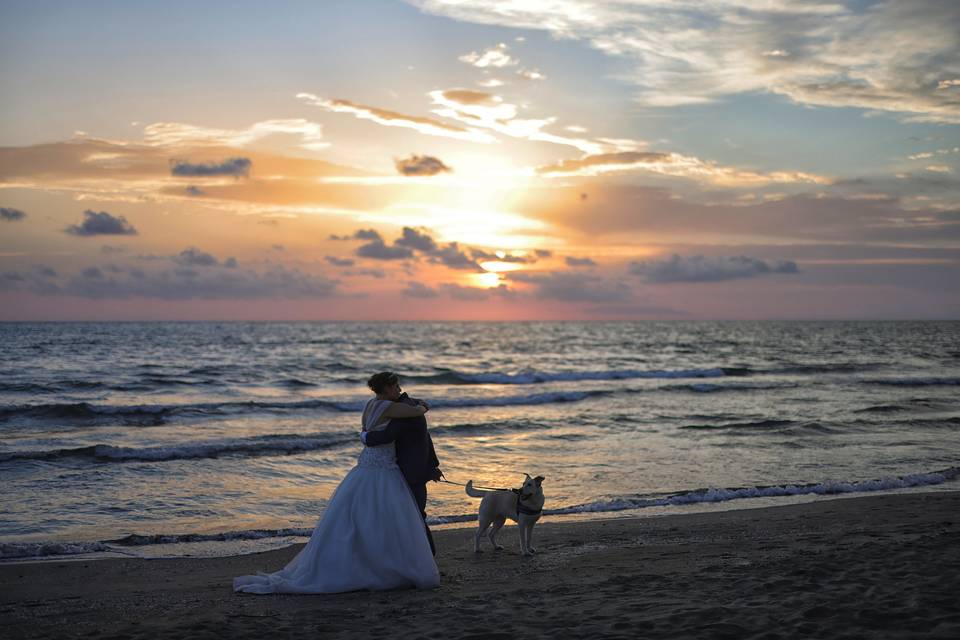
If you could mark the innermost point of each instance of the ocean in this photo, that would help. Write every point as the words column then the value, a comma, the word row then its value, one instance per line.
column 209, row 438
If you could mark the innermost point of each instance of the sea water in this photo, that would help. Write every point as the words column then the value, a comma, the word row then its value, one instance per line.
column 217, row 438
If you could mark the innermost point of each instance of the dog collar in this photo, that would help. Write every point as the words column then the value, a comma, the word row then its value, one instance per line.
column 525, row 510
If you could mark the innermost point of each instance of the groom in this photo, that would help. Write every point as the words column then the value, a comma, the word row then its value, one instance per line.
column 415, row 455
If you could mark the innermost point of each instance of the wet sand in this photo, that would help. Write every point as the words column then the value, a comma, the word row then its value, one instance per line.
column 883, row 566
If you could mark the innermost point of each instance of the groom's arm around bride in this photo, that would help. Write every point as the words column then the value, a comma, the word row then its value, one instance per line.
column 416, row 456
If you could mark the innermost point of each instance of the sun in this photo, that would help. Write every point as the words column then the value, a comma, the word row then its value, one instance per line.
column 487, row 280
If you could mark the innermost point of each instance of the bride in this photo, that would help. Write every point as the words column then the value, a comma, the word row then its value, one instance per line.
column 371, row 535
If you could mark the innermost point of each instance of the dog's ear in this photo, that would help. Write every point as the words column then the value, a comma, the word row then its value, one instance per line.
column 539, row 480
column 528, row 475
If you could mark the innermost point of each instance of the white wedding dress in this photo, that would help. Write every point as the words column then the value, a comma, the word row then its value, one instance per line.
column 370, row 537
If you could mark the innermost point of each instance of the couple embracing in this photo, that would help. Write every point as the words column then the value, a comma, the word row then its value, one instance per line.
column 373, row 534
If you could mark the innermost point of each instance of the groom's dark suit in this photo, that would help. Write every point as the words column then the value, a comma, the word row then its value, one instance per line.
column 415, row 455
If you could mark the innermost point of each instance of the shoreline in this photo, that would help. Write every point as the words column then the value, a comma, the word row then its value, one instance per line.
column 876, row 565
column 238, row 547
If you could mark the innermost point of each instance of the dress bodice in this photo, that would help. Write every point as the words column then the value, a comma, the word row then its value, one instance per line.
column 383, row 456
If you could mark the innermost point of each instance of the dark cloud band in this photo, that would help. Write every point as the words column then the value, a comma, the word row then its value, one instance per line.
column 709, row 269
column 11, row 215
column 231, row 167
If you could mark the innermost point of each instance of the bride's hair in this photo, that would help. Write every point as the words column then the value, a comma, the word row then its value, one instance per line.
column 380, row 381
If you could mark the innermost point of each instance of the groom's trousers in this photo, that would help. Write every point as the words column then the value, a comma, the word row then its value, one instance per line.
column 420, row 495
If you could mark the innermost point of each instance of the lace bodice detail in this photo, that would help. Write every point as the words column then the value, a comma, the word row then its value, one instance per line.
column 383, row 456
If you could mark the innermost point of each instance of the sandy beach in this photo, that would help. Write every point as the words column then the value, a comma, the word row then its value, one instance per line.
column 877, row 566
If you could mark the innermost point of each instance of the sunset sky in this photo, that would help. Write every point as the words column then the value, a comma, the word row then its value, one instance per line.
column 479, row 160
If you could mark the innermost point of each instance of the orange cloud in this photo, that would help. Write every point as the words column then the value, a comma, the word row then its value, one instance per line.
column 674, row 164
column 428, row 126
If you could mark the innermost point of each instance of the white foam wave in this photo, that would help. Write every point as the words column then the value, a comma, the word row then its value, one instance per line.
column 534, row 398
column 915, row 382
column 706, row 387
column 499, row 401
column 11, row 550
column 535, row 377
column 723, row 495
column 258, row 446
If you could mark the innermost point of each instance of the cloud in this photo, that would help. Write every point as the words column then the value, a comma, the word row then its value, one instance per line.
column 101, row 224
column 367, row 234
column 657, row 215
column 231, row 167
column 458, row 292
column 176, row 134
column 573, row 287
column 339, row 262
column 418, row 240
column 428, row 126
column 469, row 97
column 9, row 214
column 378, row 250
column 372, row 273
column 899, row 57
column 674, row 164
column 531, row 74
column 122, row 282
column 579, row 262
column 708, row 269
column 421, row 166
column 489, row 111
column 143, row 173
column 40, row 279
column 402, row 248
column 418, row 290
column 453, row 256
column 496, row 57
column 193, row 257
column 360, row 234
column 502, row 256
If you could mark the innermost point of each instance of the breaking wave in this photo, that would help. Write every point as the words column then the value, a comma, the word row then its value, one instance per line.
column 271, row 445
column 538, row 377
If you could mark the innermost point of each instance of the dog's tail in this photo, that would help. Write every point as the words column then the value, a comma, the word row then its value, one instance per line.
column 474, row 493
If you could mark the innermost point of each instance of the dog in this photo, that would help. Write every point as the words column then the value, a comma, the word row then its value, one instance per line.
column 524, row 506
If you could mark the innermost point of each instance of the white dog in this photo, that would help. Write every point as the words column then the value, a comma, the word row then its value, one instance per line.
column 524, row 506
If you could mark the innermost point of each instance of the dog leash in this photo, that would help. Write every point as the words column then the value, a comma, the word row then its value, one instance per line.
column 460, row 484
